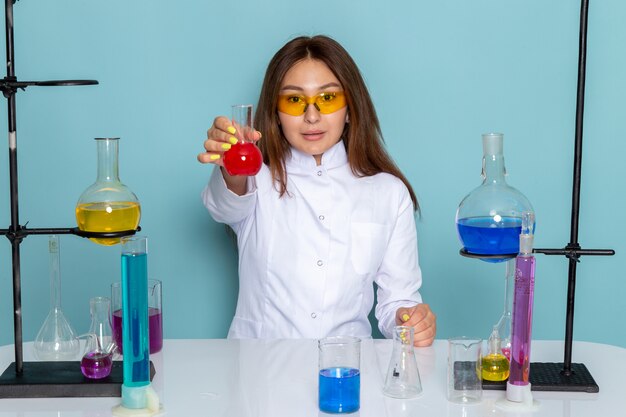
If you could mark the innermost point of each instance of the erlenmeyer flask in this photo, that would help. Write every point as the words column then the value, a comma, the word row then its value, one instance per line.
column 107, row 205
column 56, row 340
column 98, row 358
column 403, row 379
column 489, row 219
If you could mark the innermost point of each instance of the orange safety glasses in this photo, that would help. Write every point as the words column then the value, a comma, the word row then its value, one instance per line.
column 326, row 103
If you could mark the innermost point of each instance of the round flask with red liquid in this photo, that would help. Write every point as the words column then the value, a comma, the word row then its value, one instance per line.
column 243, row 158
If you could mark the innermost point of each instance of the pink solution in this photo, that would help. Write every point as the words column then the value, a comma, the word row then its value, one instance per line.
column 522, row 319
column 155, row 329
column 96, row 365
column 506, row 352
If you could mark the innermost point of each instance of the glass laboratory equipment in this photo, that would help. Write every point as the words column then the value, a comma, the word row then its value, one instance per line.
column 243, row 158
column 56, row 340
column 403, row 379
column 495, row 366
column 489, row 218
column 339, row 380
column 518, row 386
column 136, row 362
column 496, row 361
column 464, row 370
column 503, row 326
column 107, row 205
column 155, row 315
column 99, row 348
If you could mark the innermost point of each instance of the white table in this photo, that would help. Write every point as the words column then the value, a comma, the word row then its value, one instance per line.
column 275, row 378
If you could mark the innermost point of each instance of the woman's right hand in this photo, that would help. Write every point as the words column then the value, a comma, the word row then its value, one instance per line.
column 220, row 137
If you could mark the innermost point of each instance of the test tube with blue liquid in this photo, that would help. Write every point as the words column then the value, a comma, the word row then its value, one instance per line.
column 135, row 338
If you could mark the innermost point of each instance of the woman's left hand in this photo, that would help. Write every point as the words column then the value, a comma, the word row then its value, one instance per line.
column 423, row 321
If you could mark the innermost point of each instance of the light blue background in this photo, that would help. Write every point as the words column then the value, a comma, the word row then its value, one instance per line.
column 440, row 73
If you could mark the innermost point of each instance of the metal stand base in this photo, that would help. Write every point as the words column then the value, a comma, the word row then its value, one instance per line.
column 548, row 376
column 60, row 379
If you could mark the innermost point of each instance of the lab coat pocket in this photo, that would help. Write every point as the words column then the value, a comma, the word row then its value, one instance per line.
column 367, row 247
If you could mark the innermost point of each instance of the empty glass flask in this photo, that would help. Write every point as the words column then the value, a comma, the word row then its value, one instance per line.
column 107, row 205
column 403, row 378
column 489, row 218
column 56, row 339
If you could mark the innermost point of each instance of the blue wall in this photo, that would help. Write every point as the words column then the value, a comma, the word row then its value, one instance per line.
column 440, row 73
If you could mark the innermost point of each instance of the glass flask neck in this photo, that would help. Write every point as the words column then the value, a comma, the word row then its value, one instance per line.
column 493, row 169
column 100, row 308
column 403, row 338
column 509, row 289
column 503, row 326
column 55, row 273
column 108, row 169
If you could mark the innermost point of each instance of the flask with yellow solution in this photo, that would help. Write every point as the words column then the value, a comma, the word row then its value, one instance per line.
column 107, row 205
column 495, row 366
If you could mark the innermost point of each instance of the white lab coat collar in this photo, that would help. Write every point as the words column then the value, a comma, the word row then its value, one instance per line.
column 332, row 158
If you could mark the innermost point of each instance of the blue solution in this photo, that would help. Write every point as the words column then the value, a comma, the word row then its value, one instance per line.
column 483, row 236
column 135, row 319
column 339, row 390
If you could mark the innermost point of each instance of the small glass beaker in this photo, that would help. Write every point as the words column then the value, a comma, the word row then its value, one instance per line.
column 465, row 370
column 155, row 316
column 243, row 158
column 403, row 379
column 98, row 358
column 339, row 374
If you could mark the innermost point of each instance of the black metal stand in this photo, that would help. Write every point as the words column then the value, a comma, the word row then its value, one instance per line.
column 60, row 379
column 567, row 376
column 544, row 376
column 38, row 379
column 572, row 375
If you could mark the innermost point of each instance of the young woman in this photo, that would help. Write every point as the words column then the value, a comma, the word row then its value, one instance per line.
column 328, row 214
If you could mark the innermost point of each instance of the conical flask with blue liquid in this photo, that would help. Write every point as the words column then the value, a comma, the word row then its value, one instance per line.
column 489, row 218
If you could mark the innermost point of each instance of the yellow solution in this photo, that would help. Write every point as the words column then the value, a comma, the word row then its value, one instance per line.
column 495, row 367
column 108, row 217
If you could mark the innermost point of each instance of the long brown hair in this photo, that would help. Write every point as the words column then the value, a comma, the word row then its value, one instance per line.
column 362, row 136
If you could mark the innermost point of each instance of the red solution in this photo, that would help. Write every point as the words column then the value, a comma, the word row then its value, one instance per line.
column 155, row 330
column 243, row 159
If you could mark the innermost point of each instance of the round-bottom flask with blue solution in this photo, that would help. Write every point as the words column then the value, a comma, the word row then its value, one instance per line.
column 489, row 218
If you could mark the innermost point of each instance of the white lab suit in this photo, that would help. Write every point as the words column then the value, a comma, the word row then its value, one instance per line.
column 307, row 260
